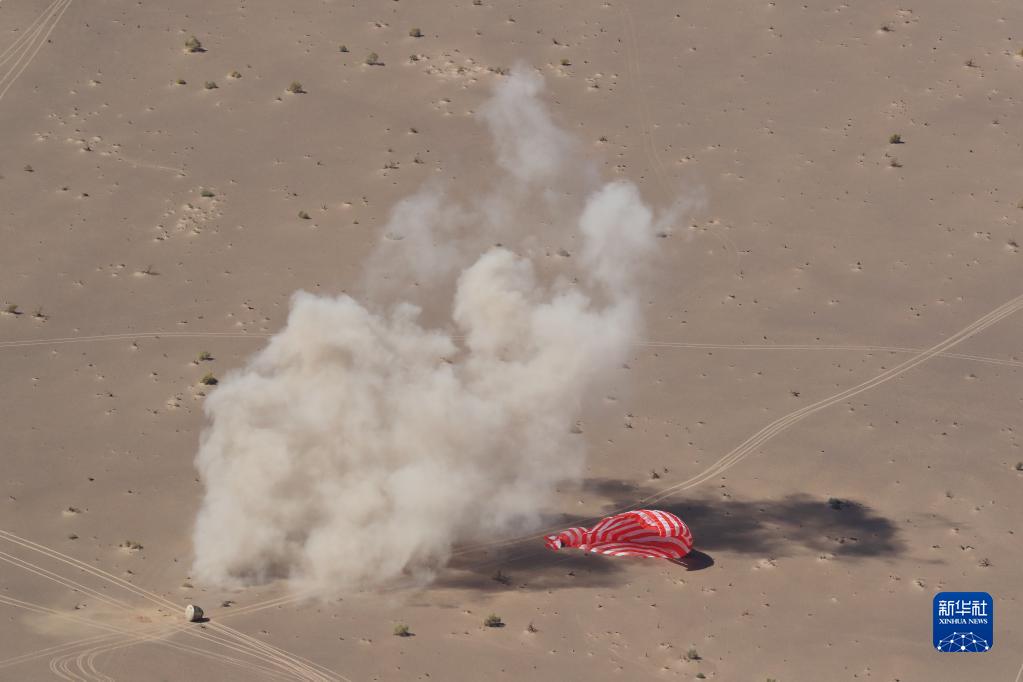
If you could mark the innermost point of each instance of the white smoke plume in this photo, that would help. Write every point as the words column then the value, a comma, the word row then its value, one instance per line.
column 362, row 445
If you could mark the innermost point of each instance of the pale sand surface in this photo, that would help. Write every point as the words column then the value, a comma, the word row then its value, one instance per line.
column 780, row 112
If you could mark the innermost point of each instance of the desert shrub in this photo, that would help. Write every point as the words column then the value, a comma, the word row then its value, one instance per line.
column 401, row 630
column 208, row 379
column 296, row 88
column 372, row 59
column 415, row 33
column 895, row 139
column 210, row 85
column 193, row 45
column 493, row 621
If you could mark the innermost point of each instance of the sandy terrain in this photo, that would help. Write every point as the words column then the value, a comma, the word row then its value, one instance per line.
column 838, row 322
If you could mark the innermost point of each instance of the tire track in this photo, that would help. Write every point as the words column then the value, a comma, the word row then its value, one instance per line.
column 303, row 669
column 27, row 47
column 776, row 427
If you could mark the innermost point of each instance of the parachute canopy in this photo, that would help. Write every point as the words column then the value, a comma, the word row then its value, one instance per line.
column 648, row 533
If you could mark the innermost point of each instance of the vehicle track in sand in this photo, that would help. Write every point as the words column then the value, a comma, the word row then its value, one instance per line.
column 19, row 54
column 84, row 659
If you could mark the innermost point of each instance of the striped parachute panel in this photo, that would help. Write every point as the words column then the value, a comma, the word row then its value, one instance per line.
column 645, row 533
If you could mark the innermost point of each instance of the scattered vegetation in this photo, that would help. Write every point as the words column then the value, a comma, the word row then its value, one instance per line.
column 209, row 380
column 296, row 88
column 210, row 85
column 531, row 627
column 207, row 193
column 373, row 59
column 193, row 45
column 984, row 563
column 654, row 475
column 895, row 138
column 205, row 356
column 235, row 74
column 303, row 215
column 415, row 33
column 692, row 655
column 131, row 545
column 401, row 630
column 493, row 621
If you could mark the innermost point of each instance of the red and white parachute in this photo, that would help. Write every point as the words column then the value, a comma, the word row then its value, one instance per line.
column 647, row 532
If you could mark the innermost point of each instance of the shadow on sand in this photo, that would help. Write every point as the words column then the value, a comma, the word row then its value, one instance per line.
column 796, row 524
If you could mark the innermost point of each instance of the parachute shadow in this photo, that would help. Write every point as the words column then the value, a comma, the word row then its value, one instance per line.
column 794, row 524
column 694, row 561
column 846, row 529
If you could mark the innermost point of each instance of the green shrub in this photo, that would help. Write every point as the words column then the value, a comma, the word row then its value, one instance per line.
column 401, row 630
column 193, row 45
column 493, row 621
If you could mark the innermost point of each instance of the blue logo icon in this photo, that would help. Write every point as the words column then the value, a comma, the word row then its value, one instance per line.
column 964, row 622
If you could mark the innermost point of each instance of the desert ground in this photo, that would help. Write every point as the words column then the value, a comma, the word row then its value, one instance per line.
column 828, row 386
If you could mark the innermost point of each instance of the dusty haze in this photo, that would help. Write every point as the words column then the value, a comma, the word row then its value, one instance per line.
column 360, row 446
